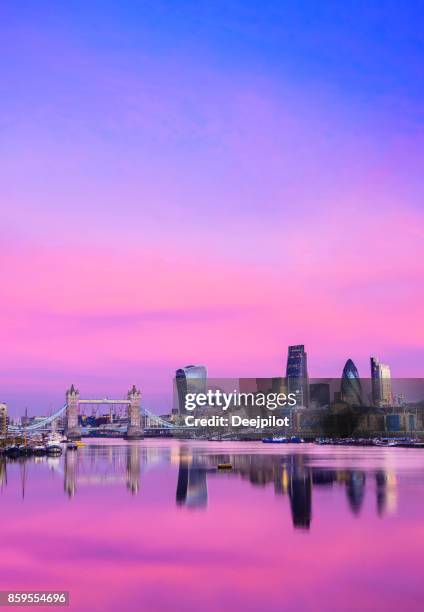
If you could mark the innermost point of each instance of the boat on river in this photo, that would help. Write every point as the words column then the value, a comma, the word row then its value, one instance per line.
column 275, row 440
column 53, row 444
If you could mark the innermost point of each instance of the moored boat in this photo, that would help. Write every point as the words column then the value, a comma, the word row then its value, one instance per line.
column 38, row 449
column 275, row 440
column 53, row 444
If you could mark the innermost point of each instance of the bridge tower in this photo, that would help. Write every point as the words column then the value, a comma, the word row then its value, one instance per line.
column 72, row 429
column 135, row 430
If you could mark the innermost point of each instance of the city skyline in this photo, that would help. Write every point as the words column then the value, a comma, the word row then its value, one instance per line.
column 295, row 371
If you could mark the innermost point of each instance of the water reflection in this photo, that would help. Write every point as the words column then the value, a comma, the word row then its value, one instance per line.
column 291, row 475
column 355, row 489
column 300, row 491
column 103, row 466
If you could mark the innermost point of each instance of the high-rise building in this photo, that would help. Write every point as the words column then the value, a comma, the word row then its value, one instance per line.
column 191, row 379
column 319, row 395
column 297, row 374
column 351, row 391
column 3, row 419
column 381, row 383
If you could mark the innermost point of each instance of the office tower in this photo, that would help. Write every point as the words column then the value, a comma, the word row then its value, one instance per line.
column 319, row 395
column 264, row 385
column 381, row 383
column 191, row 379
column 3, row 419
column 351, row 391
column 247, row 385
column 297, row 374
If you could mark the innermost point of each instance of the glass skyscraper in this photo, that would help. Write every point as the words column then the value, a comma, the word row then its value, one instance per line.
column 381, row 383
column 351, row 390
column 297, row 374
column 191, row 379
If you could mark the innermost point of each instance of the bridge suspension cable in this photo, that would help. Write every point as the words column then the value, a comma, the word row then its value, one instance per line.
column 39, row 424
column 156, row 419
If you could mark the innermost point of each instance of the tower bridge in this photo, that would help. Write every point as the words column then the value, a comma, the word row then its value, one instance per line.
column 132, row 401
column 71, row 410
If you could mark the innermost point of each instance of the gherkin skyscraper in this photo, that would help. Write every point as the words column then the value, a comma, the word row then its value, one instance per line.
column 351, row 389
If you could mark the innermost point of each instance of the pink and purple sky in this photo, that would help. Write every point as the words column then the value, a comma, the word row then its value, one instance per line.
column 207, row 183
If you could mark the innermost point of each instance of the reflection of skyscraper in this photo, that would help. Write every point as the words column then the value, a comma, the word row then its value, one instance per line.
column 355, row 490
column 3, row 472
column 297, row 373
column 381, row 383
column 386, row 492
column 351, row 385
column 192, row 489
column 300, row 493
column 380, row 481
column 197, row 490
column 191, row 379
column 182, row 482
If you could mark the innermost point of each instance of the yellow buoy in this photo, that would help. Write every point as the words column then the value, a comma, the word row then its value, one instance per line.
column 225, row 466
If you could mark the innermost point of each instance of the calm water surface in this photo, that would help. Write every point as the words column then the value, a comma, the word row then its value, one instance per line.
column 153, row 525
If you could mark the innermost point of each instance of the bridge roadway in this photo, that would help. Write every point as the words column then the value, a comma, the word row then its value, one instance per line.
column 104, row 401
column 43, row 425
column 149, row 432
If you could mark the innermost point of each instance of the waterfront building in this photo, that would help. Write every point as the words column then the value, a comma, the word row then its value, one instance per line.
column 400, row 422
column 279, row 385
column 3, row 419
column 400, row 400
column 319, row 395
column 297, row 374
column 351, row 391
column 247, row 385
column 190, row 379
column 381, row 383
column 264, row 385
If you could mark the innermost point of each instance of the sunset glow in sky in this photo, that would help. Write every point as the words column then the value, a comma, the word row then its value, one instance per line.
column 207, row 182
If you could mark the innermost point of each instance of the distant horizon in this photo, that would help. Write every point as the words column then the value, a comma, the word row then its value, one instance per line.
column 159, row 401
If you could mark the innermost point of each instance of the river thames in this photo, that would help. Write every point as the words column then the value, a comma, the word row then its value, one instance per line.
column 155, row 525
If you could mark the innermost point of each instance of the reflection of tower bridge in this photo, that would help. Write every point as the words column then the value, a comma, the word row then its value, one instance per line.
column 94, row 472
column 98, row 465
column 138, row 418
